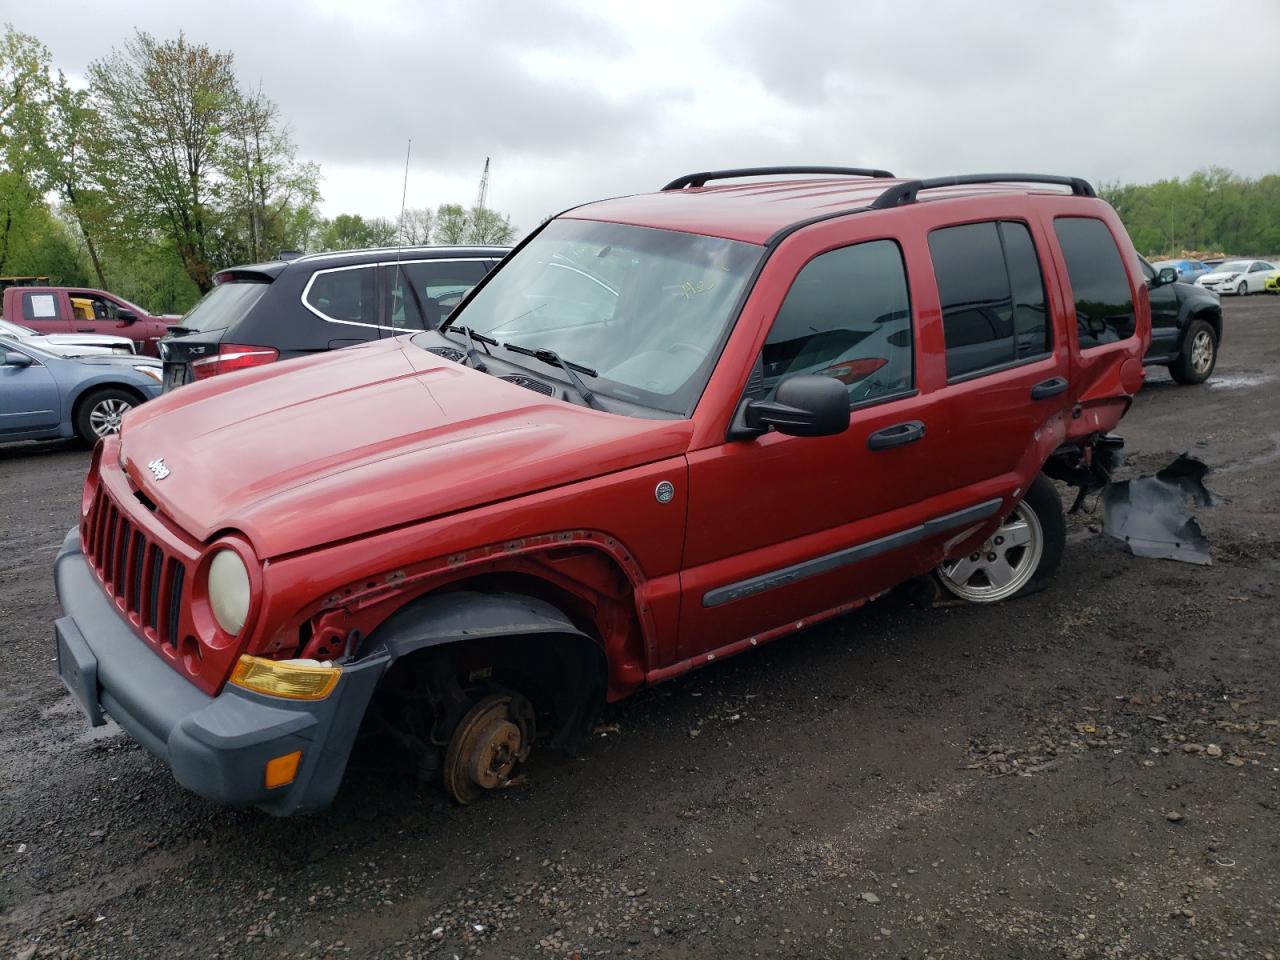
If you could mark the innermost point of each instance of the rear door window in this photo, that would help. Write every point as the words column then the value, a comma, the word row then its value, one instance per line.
column 992, row 295
column 224, row 306
column 424, row 293
column 847, row 316
column 1099, row 281
column 344, row 295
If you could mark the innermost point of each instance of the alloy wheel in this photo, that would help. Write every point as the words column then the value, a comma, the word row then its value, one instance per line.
column 105, row 417
column 1003, row 565
column 1202, row 352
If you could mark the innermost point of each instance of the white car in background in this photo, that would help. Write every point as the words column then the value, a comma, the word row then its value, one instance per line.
column 69, row 344
column 1240, row 277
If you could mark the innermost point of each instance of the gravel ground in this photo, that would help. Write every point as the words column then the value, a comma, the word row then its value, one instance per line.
column 1089, row 772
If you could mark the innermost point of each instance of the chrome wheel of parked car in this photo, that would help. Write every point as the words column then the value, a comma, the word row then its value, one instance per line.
column 1003, row 565
column 1202, row 352
column 99, row 414
column 106, row 414
column 1242, row 290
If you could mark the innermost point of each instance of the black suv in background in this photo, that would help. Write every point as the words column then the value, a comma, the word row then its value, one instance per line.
column 1186, row 326
column 288, row 308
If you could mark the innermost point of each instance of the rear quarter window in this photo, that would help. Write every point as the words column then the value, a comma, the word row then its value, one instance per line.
column 345, row 295
column 1099, row 281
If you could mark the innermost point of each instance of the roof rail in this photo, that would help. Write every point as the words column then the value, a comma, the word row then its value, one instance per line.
column 906, row 191
column 700, row 179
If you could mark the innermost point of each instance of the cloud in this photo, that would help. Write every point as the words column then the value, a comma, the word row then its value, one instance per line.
column 578, row 99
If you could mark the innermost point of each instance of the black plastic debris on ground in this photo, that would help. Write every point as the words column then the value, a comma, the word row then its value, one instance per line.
column 1153, row 514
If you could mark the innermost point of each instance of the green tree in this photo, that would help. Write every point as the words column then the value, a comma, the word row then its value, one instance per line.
column 348, row 231
column 24, row 99
column 455, row 224
column 72, row 123
column 268, row 194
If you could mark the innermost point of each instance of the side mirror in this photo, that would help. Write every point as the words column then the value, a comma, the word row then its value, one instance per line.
column 126, row 316
column 803, row 406
column 14, row 359
column 1166, row 276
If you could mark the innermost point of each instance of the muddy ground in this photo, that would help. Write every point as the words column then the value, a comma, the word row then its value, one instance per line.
column 1090, row 772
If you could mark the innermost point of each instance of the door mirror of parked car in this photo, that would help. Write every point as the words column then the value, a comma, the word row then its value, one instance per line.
column 803, row 406
column 14, row 359
column 126, row 316
column 1166, row 276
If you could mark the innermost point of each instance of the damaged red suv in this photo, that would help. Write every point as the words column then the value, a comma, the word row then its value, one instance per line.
column 666, row 429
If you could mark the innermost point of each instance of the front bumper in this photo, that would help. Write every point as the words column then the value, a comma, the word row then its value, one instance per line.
column 216, row 746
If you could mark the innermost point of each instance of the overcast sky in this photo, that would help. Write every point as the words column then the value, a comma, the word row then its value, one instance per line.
column 578, row 100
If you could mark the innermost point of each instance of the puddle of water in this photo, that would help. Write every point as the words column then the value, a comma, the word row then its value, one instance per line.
column 1239, row 381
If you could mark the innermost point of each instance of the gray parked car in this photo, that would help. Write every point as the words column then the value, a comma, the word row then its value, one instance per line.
column 45, row 397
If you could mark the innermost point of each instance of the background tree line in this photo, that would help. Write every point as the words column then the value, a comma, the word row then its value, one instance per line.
column 1211, row 211
column 164, row 170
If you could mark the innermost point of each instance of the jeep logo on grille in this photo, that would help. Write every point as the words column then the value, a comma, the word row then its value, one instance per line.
column 158, row 469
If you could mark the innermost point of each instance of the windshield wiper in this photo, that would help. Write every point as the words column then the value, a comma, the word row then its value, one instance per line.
column 553, row 358
column 472, row 354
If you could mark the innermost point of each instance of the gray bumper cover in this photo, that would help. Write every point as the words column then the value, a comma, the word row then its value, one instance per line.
column 216, row 746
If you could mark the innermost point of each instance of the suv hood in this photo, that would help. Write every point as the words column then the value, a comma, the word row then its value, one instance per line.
column 307, row 452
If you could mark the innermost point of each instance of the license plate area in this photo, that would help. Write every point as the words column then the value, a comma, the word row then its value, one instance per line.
column 175, row 375
column 78, row 669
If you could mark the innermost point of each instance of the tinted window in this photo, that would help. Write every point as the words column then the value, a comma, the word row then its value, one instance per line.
column 993, row 303
column 1099, row 283
column 425, row 293
column 1031, row 327
column 224, row 305
column 848, row 316
column 349, row 295
column 39, row 306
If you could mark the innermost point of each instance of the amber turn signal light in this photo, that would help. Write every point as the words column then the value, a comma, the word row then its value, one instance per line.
column 285, row 678
column 281, row 771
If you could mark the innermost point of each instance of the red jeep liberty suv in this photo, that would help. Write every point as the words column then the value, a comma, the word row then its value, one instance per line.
column 666, row 429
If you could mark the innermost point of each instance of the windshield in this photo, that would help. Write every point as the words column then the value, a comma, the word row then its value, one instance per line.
column 645, row 310
column 1234, row 266
column 225, row 304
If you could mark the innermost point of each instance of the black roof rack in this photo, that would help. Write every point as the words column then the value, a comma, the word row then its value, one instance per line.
column 906, row 191
column 700, row 179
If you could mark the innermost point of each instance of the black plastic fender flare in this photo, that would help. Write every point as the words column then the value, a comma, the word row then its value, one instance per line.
column 439, row 619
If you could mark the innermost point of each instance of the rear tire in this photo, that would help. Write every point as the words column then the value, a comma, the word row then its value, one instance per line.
column 1199, row 354
column 98, row 415
column 1020, row 558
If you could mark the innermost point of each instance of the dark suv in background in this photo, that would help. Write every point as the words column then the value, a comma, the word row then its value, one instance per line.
column 272, row 311
column 1186, row 326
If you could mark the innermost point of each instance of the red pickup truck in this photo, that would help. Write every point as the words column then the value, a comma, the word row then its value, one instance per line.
column 83, row 310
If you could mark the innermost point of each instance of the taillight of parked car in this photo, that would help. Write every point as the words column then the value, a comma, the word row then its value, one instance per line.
column 851, row 371
column 231, row 357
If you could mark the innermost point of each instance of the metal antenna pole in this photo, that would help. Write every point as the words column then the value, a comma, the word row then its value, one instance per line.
column 404, row 193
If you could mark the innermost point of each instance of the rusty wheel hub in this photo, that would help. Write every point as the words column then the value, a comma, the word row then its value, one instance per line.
column 489, row 741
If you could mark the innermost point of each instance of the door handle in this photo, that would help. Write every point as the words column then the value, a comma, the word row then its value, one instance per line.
column 898, row 435
column 1049, row 388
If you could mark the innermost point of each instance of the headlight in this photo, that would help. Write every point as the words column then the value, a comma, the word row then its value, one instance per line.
column 229, row 590
column 151, row 372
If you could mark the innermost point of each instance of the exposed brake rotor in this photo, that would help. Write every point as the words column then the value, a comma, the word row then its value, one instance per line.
column 492, row 737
